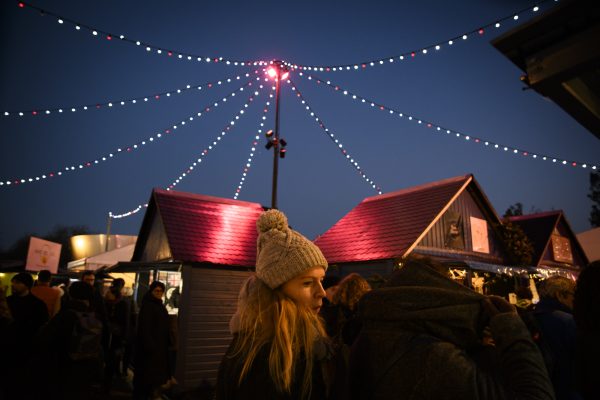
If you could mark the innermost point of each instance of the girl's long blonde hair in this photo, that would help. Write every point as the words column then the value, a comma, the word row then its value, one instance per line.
column 268, row 317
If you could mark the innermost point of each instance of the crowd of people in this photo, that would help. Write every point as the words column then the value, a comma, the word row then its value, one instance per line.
column 299, row 333
column 73, row 341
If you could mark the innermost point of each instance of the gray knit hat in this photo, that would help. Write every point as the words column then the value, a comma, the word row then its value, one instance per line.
column 281, row 252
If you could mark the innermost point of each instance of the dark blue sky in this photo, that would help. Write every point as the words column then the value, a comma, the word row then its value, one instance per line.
column 469, row 87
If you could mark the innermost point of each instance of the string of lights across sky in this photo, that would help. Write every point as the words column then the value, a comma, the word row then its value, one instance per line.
column 248, row 165
column 122, row 102
column 120, row 150
column 149, row 48
column 226, row 129
column 152, row 49
column 451, row 132
column 335, row 140
column 432, row 48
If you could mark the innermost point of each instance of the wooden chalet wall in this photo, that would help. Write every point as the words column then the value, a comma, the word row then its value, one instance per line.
column 156, row 245
column 548, row 256
column 465, row 205
column 208, row 301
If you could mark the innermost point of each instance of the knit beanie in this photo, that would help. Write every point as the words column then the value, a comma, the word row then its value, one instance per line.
column 282, row 253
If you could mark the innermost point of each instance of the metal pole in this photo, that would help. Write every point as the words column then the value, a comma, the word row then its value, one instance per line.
column 276, row 140
column 107, row 232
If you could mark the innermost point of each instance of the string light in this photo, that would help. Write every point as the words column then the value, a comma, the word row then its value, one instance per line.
column 336, row 141
column 128, row 213
column 450, row 132
column 121, row 102
column 216, row 141
column 225, row 130
column 150, row 48
column 421, row 51
column 248, row 164
column 121, row 150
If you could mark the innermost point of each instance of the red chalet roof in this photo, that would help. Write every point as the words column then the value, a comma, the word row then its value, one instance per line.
column 390, row 225
column 539, row 228
column 201, row 228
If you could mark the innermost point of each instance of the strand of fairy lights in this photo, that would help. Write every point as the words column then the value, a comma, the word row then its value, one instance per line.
column 458, row 135
column 121, row 150
column 344, row 152
column 226, row 129
column 128, row 213
column 230, row 125
column 112, row 103
column 150, row 48
column 423, row 50
column 248, row 164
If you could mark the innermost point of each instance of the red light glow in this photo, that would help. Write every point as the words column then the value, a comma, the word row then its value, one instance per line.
column 272, row 72
column 285, row 75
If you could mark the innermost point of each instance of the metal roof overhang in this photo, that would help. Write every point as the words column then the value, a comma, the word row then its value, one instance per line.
column 143, row 266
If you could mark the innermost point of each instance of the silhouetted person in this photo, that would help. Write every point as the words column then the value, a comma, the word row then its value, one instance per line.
column 49, row 295
column 422, row 338
column 73, row 341
column 151, row 357
column 558, row 333
column 586, row 311
column 118, row 315
column 29, row 315
column 98, row 306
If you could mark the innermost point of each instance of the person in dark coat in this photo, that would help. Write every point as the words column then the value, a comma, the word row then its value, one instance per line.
column 422, row 338
column 151, row 358
column 118, row 312
column 586, row 311
column 29, row 315
column 279, row 343
column 70, row 377
column 558, row 334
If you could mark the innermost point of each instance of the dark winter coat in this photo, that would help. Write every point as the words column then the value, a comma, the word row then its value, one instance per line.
column 421, row 340
column 29, row 315
column 118, row 312
column 558, row 336
column 258, row 383
column 152, row 344
column 67, row 379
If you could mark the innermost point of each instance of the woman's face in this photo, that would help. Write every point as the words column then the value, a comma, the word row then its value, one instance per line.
column 306, row 290
column 158, row 292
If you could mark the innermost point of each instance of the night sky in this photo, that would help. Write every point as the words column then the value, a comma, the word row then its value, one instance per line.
column 468, row 87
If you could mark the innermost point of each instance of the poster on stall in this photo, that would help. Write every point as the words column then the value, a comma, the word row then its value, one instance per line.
column 479, row 235
column 42, row 254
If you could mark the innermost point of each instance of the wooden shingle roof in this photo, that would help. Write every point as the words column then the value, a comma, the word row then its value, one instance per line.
column 388, row 226
column 203, row 229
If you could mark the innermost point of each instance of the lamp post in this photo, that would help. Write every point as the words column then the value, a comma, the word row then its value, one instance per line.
column 277, row 71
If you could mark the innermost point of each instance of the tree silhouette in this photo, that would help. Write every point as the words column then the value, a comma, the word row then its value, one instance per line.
column 60, row 234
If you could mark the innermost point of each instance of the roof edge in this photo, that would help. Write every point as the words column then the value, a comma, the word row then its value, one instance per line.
column 418, row 188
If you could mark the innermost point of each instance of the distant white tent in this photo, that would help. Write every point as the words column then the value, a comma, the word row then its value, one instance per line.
column 590, row 241
column 108, row 259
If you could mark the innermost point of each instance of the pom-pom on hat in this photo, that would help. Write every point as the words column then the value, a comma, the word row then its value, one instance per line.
column 281, row 252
